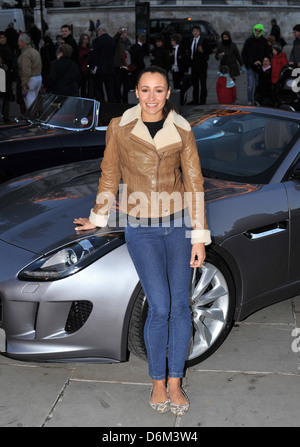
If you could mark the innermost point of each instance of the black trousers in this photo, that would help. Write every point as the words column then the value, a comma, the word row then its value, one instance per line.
column 108, row 80
column 177, row 84
column 199, row 77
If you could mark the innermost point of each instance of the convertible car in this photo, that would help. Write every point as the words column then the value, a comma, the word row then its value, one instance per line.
column 75, row 296
column 55, row 130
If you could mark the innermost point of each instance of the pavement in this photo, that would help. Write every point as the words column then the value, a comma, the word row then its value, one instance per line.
column 252, row 380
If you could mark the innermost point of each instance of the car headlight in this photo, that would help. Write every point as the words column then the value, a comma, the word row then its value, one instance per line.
column 72, row 258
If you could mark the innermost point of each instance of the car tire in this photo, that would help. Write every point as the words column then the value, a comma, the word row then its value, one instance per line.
column 212, row 302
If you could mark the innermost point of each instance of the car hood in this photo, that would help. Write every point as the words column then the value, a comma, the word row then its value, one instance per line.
column 37, row 210
column 22, row 131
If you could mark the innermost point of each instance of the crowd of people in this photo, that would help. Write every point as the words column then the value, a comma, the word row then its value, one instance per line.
column 263, row 59
column 105, row 68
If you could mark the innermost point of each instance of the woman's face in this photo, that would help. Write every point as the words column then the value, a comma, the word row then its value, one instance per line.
column 85, row 40
column 266, row 62
column 152, row 91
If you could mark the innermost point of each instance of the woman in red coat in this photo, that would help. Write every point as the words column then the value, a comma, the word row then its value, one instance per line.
column 279, row 60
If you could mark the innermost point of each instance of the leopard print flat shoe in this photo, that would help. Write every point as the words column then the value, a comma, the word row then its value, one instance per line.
column 179, row 410
column 160, row 407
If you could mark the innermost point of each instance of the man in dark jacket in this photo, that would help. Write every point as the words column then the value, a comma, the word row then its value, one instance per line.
column 102, row 65
column 179, row 66
column 199, row 63
column 255, row 49
column 137, row 52
column 69, row 39
column 64, row 76
column 295, row 53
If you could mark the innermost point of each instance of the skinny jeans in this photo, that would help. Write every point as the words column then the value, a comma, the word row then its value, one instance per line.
column 161, row 255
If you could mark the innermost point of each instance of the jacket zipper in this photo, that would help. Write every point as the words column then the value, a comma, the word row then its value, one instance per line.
column 157, row 177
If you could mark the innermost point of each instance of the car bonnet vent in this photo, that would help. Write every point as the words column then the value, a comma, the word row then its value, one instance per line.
column 78, row 315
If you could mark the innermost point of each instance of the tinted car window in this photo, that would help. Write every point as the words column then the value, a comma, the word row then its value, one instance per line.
column 158, row 25
column 242, row 146
column 184, row 27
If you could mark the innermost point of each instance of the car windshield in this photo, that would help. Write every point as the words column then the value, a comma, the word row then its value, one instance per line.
column 242, row 146
column 62, row 111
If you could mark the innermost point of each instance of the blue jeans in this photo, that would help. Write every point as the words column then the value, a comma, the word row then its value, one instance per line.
column 252, row 80
column 161, row 255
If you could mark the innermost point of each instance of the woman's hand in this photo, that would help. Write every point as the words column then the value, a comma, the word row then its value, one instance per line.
column 198, row 255
column 84, row 223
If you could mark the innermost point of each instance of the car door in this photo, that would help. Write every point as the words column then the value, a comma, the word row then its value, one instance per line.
column 92, row 143
column 70, row 144
column 293, row 193
column 254, row 228
column 39, row 149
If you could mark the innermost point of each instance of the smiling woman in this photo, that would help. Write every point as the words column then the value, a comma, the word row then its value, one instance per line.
column 153, row 93
column 153, row 150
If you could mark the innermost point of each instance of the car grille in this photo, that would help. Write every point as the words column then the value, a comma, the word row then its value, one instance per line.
column 78, row 314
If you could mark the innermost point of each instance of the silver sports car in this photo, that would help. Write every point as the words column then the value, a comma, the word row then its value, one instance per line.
column 68, row 295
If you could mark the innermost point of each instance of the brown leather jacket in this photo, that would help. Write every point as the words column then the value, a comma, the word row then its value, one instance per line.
column 161, row 176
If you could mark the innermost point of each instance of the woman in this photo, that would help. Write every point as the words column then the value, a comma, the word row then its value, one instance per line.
column 228, row 54
column 84, row 51
column 152, row 147
column 263, row 93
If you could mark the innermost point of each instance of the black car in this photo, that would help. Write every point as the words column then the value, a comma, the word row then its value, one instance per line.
column 183, row 27
column 55, row 130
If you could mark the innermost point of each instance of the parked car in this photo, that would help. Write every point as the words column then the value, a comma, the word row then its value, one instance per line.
column 55, row 130
column 75, row 296
column 183, row 27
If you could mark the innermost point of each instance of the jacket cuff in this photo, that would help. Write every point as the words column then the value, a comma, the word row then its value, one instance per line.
column 100, row 220
column 200, row 236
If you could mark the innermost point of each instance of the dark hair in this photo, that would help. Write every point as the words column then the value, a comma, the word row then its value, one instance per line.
column 81, row 38
column 177, row 38
column 154, row 69
column 224, row 69
column 66, row 50
column 160, row 38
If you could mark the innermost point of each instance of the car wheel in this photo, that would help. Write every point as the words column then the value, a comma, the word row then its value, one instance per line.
column 212, row 302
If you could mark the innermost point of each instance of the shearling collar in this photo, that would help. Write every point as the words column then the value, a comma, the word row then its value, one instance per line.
column 168, row 135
